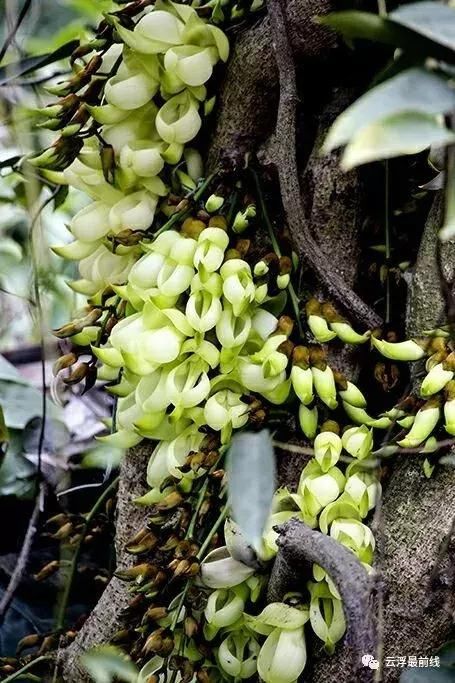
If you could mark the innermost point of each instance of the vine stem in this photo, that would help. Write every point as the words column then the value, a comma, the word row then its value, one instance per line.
column 66, row 594
column 195, row 194
column 276, row 248
column 212, row 532
column 27, row 667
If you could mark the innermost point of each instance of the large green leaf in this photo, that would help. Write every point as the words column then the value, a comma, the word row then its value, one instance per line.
column 107, row 664
column 412, row 90
column 251, row 482
column 9, row 372
column 434, row 20
column 396, row 135
column 25, row 66
column 397, row 32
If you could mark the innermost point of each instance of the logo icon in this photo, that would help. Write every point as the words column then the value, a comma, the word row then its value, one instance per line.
column 369, row 660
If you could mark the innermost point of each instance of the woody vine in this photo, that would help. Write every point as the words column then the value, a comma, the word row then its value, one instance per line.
column 199, row 330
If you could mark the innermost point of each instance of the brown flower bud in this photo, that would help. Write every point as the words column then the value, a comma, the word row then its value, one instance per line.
column 27, row 642
column 218, row 222
column 190, row 627
column 48, row 569
column 192, row 227
column 63, row 362
column 143, row 541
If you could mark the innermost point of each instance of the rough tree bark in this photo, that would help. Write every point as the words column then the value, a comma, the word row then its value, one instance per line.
column 416, row 513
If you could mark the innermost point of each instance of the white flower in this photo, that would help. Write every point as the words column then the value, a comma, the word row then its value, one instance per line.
column 135, row 83
column 232, row 331
column 220, row 570
column 238, row 285
column 283, row 656
column 203, row 310
column 101, row 268
column 327, row 449
column 154, row 33
column 178, row 119
column 224, row 411
column 358, row 441
column 135, row 211
column 209, row 255
column 237, row 655
column 92, row 222
column 142, row 157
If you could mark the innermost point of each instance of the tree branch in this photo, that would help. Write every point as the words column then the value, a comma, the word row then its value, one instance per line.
column 286, row 162
column 299, row 545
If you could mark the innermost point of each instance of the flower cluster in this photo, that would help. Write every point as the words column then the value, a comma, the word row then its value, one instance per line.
column 151, row 109
column 329, row 497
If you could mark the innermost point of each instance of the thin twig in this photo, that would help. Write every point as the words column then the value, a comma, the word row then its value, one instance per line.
column 286, row 162
column 12, row 34
column 69, row 582
column 22, row 560
column 27, row 667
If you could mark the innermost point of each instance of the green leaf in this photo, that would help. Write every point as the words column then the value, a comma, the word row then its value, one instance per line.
column 107, row 664
column 20, row 403
column 8, row 372
column 251, row 482
column 396, row 135
column 17, row 473
column 25, row 66
column 412, row 90
column 434, row 20
column 395, row 32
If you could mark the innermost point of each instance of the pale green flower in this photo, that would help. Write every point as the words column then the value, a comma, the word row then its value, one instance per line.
column 326, row 615
column 327, row 450
column 178, row 119
column 425, row 421
column 238, row 285
column 320, row 329
column 324, row 385
column 407, row 350
column 211, row 245
column 224, row 411
column 358, row 441
column 302, row 383
column 237, row 654
column 282, row 657
column 308, row 420
column 220, row 570
column 435, row 380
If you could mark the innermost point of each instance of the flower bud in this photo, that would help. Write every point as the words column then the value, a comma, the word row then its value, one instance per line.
column 435, row 380
column 425, row 421
column 407, row 350
column 302, row 383
column 324, row 385
column 308, row 420
column 353, row 396
column 327, row 449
